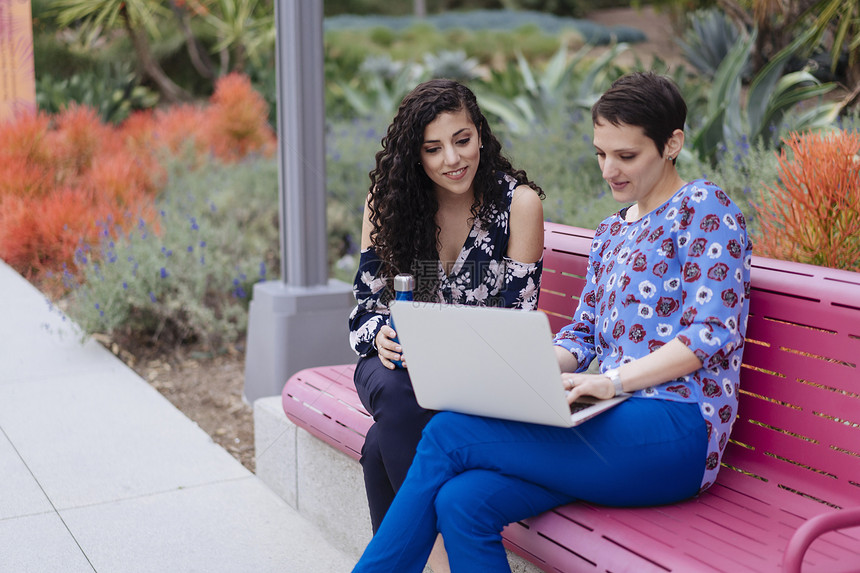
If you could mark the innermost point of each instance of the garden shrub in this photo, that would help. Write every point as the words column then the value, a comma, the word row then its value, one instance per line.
column 236, row 120
column 812, row 213
column 59, row 177
column 111, row 173
column 187, row 276
column 114, row 90
column 559, row 156
column 497, row 20
column 490, row 36
column 232, row 125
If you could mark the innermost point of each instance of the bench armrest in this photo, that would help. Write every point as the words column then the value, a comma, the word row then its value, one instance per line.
column 813, row 528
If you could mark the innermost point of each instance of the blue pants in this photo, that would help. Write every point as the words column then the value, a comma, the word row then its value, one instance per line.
column 392, row 439
column 472, row 476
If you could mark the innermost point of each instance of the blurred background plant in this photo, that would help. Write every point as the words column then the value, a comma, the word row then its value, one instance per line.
column 58, row 175
column 525, row 99
column 707, row 39
column 379, row 86
column 68, row 177
column 114, row 92
column 186, row 276
column 836, row 24
column 120, row 149
column 770, row 107
column 811, row 214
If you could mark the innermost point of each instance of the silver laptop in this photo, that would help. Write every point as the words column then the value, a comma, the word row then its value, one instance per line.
column 487, row 361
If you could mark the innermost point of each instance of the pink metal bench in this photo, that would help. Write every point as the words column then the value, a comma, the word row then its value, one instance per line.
column 788, row 495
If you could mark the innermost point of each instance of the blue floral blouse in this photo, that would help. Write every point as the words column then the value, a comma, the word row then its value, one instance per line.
column 482, row 275
column 681, row 271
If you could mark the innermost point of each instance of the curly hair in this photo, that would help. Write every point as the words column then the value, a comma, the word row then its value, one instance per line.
column 403, row 204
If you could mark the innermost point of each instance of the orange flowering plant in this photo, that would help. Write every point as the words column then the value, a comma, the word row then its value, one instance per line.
column 60, row 176
column 812, row 214
column 67, row 179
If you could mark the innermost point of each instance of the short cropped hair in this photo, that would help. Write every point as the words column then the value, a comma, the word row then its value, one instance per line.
column 644, row 99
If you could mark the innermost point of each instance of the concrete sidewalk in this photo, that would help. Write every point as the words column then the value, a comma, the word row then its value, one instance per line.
column 99, row 472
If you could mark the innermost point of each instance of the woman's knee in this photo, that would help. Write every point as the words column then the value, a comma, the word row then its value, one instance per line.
column 381, row 389
column 370, row 451
column 452, row 512
column 462, row 509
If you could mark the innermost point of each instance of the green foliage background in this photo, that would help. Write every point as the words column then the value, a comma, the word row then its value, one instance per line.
column 528, row 59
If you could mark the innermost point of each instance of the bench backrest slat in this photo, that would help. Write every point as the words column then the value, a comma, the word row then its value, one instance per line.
column 565, row 262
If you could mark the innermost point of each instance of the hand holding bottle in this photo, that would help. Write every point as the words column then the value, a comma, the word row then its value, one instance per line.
column 387, row 344
column 388, row 349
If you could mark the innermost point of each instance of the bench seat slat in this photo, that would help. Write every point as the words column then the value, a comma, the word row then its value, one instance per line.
column 568, row 550
column 631, row 529
column 324, row 401
column 807, row 422
column 710, row 516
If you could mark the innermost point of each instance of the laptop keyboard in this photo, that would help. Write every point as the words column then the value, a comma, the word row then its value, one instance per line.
column 577, row 406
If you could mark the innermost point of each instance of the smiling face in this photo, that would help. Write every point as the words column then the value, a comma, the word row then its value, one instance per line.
column 633, row 166
column 450, row 153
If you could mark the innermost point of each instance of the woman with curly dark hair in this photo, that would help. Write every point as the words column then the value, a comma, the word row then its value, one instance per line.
column 445, row 206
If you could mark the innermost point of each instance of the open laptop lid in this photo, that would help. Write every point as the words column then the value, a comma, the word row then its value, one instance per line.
column 487, row 361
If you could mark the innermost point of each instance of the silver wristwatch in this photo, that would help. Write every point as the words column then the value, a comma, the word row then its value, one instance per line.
column 613, row 375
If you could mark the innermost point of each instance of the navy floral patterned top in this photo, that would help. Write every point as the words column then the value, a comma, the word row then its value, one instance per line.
column 482, row 275
column 681, row 271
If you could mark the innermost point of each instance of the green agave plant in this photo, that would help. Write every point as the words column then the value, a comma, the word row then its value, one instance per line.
column 772, row 96
column 380, row 86
column 114, row 91
column 709, row 37
column 524, row 98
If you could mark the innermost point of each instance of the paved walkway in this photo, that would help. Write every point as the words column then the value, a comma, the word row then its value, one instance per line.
column 99, row 472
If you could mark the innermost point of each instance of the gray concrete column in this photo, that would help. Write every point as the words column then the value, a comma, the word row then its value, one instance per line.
column 299, row 321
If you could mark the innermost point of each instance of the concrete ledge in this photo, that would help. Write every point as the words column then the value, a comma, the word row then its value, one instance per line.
column 275, row 448
column 325, row 485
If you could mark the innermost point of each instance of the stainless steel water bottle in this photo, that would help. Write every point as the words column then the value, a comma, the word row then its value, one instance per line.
column 404, row 284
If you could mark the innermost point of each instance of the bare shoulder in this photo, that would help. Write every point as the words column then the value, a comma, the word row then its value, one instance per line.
column 526, row 226
column 366, row 225
column 526, row 204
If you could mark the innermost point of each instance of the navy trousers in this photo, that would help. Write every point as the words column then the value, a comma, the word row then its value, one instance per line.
column 472, row 476
column 392, row 439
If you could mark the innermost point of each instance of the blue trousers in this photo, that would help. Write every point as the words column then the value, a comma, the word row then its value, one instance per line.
column 472, row 476
column 390, row 443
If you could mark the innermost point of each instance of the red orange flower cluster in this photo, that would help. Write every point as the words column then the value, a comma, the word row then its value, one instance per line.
column 65, row 179
column 813, row 214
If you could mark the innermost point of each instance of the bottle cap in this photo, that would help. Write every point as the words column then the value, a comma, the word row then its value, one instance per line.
column 404, row 282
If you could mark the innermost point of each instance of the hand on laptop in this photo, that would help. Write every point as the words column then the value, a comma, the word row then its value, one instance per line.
column 596, row 385
column 387, row 348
